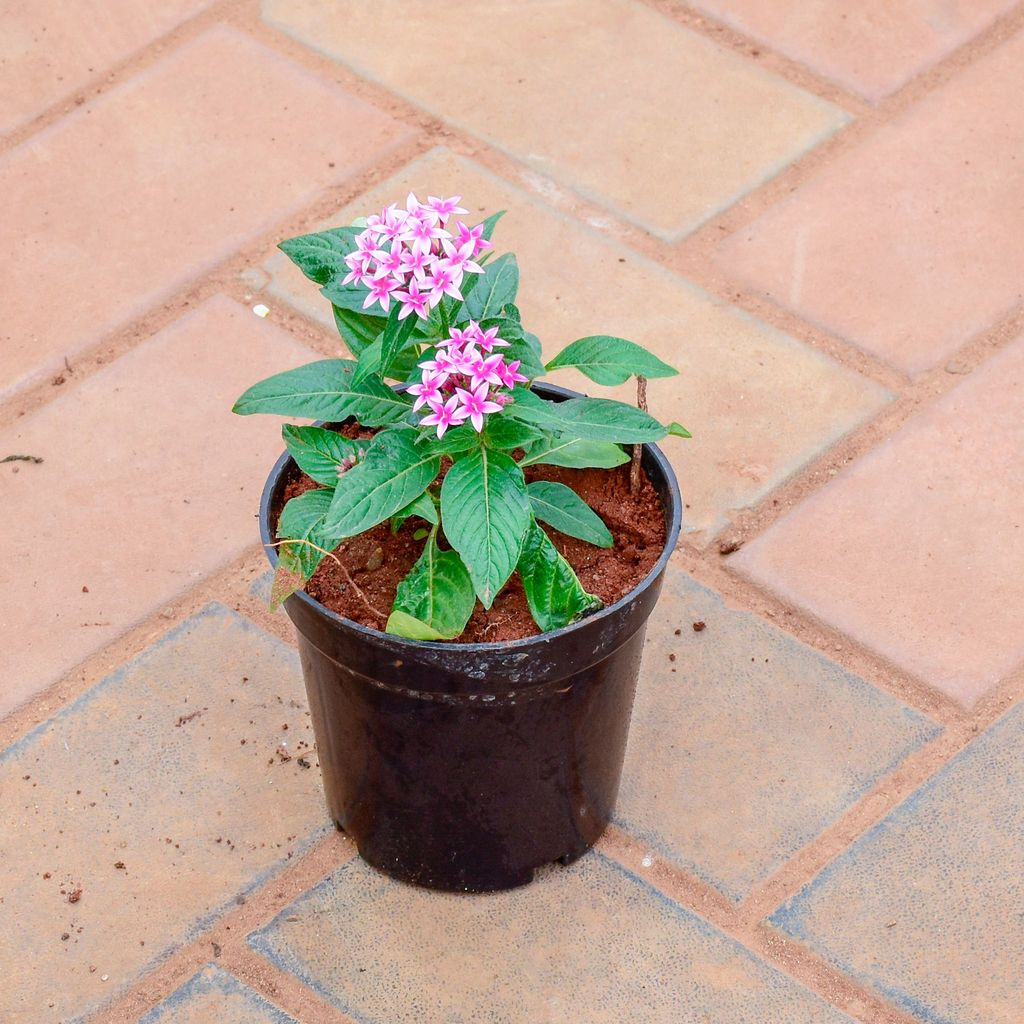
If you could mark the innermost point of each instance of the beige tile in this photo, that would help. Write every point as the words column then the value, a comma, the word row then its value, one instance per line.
column 913, row 241
column 759, row 403
column 873, row 47
column 917, row 550
column 149, row 483
column 158, row 797
column 606, row 96
column 586, row 943
column 745, row 744
column 112, row 208
column 50, row 48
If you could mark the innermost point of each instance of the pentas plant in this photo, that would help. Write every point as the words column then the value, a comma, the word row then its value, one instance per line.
column 419, row 302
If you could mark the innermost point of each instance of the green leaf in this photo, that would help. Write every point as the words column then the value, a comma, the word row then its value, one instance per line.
column 302, row 520
column 592, row 419
column 324, row 390
column 497, row 285
column 423, row 507
column 504, row 432
column 610, row 360
column 678, row 430
column 395, row 335
column 436, row 599
column 321, row 256
column 462, row 438
column 562, row 508
column 347, row 296
column 563, row 450
column 485, row 513
column 534, row 342
column 394, row 473
column 401, row 367
column 318, row 452
column 357, row 330
column 553, row 591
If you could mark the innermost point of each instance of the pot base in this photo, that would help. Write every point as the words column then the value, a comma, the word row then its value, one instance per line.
column 494, row 880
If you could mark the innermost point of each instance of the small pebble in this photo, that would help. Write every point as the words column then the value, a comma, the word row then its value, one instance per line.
column 260, row 310
column 699, row 627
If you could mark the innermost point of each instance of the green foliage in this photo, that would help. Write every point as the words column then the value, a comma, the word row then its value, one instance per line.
column 485, row 513
column 319, row 452
column 302, row 521
column 394, row 472
column 553, row 591
column 436, row 599
column 325, row 390
column 573, row 453
column 562, row 508
column 610, row 361
column 481, row 506
column 321, row 256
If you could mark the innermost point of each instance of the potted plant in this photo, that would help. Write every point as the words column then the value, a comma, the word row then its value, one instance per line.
column 470, row 696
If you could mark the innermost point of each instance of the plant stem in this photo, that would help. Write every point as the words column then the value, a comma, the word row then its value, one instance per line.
column 445, row 326
column 634, row 469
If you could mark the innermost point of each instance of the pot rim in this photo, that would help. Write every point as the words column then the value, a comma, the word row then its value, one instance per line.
column 673, row 527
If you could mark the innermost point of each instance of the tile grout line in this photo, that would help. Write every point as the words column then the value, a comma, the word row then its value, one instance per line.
column 763, row 943
column 228, row 934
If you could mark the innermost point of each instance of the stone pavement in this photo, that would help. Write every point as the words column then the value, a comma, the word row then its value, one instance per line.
column 814, row 210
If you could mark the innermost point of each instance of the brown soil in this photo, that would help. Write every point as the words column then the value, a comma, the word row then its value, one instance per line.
column 376, row 561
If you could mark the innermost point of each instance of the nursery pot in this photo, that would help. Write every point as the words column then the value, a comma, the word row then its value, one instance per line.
column 467, row 766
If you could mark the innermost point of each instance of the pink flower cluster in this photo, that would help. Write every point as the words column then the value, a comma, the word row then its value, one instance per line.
column 412, row 256
column 466, row 379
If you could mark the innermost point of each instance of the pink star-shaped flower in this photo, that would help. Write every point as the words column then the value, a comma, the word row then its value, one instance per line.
column 416, row 263
column 474, row 235
column 444, row 208
column 444, row 364
column 380, row 291
column 445, row 416
column 475, row 405
column 420, row 232
column 489, row 340
column 428, row 391
column 442, row 282
column 461, row 256
column 413, row 300
column 509, row 374
column 390, row 262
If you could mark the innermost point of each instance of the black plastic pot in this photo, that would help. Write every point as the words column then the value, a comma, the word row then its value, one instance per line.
column 467, row 766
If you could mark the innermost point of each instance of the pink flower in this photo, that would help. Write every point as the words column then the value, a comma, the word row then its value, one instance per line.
column 445, row 416
column 428, row 391
column 443, row 282
column 380, row 291
column 390, row 262
column 462, row 256
column 459, row 336
column 489, row 339
column 444, row 364
column 358, row 264
column 444, row 208
column 366, row 241
column 420, row 232
column 509, row 375
column 486, row 371
column 416, row 263
column 475, row 405
column 474, row 235
column 413, row 300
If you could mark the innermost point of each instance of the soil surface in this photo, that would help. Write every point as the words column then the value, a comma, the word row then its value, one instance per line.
column 377, row 561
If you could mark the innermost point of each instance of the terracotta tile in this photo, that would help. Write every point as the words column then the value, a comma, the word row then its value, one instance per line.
column 873, row 48
column 590, row 942
column 745, row 744
column 214, row 995
column 925, row 908
column 163, row 768
column 114, row 207
column 910, row 243
column 149, row 483
column 51, row 48
column 917, row 550
column 605, row 96
column 759, row 403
